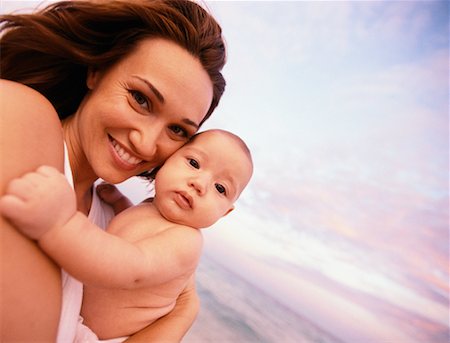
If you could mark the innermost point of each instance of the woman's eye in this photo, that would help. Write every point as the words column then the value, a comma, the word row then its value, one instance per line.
column 140, row 99
column 194, row 163
column 179, row 131
column 220, row 188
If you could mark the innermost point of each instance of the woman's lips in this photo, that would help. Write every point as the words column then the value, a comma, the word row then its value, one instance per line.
column 126, row 159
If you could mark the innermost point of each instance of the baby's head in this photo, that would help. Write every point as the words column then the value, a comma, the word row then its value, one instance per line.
column 200, row 182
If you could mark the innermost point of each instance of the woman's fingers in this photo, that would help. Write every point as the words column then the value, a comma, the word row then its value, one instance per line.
column 108, row 193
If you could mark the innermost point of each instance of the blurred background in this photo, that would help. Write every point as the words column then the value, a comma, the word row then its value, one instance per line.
column 343, row 233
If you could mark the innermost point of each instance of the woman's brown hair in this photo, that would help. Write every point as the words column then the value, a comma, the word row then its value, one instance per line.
column 51, row 50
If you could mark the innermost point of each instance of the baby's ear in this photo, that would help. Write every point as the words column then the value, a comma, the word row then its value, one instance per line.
column 229, row 210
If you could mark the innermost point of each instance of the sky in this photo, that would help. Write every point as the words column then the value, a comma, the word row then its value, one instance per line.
column 345, row 107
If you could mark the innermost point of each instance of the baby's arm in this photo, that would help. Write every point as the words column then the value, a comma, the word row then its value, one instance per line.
column 42, row 204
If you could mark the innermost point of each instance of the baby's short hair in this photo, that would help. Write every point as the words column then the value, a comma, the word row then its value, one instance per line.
column 150, row 175
column 235, row 137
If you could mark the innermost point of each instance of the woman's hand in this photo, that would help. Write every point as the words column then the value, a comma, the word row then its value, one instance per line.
column 113, row 197
column 173, row 326
column 38, row 202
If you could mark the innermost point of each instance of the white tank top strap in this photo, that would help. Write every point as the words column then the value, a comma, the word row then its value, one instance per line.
column 72, row 289
column 67, row 169
column 99, row 214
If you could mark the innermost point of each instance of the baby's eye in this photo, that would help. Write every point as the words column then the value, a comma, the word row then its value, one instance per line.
column 140, row 99
column 220, row 188
column 194, row 163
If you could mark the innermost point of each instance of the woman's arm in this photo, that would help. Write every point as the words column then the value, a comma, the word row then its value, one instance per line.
column 172, row 327
column 30, row 135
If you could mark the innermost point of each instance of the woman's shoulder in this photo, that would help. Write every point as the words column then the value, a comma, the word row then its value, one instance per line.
column 30, row 131
column 16, row 97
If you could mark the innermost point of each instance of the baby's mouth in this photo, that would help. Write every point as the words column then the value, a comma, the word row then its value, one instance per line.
column 184, row 200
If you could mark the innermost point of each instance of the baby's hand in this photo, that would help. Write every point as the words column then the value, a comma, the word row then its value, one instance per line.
column 39, row 201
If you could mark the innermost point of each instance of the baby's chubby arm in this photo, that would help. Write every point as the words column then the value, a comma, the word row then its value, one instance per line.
column 38, row 202
column 43, row 206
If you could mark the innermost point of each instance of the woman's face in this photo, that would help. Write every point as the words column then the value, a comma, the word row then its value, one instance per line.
column 141, row 110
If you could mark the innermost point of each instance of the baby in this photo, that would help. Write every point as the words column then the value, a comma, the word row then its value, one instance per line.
column 134, row 271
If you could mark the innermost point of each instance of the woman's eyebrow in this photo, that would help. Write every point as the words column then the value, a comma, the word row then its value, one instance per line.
column 190, row 122
column 154, row 90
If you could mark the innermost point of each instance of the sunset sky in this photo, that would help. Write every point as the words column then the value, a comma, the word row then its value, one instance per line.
column 345, row 107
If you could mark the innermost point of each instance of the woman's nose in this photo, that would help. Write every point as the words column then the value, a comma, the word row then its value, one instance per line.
column 146, row 141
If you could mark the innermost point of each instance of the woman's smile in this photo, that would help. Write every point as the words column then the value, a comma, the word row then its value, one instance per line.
column 123, row 156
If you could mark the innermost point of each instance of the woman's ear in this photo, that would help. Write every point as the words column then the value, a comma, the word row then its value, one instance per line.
column 92, row 78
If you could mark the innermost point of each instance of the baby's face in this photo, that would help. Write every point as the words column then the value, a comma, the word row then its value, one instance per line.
column 200, row 182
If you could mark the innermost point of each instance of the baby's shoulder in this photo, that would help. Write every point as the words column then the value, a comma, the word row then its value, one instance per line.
column 184, row 230
column 144, row 221
column 182, row 235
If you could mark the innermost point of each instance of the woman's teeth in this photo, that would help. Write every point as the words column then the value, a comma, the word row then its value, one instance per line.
column 124, row 155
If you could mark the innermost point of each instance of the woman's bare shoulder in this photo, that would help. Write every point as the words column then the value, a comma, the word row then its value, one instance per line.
column 16, row 97
column 30, row 131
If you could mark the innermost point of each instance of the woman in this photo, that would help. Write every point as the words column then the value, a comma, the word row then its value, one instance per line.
column 119, row 85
